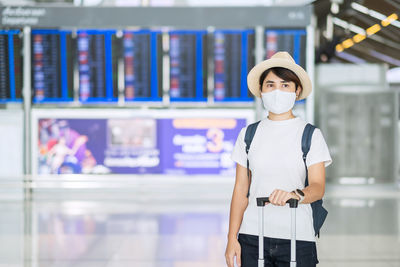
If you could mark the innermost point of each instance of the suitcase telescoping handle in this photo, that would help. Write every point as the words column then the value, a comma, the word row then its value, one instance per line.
column 293, row 204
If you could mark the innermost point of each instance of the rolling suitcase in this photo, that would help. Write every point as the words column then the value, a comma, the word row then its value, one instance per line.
column 293, row 203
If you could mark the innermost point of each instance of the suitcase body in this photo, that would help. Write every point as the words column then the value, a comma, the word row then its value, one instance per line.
column 293, row 203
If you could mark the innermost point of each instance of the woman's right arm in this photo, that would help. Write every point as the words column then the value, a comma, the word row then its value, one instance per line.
column 238, row 206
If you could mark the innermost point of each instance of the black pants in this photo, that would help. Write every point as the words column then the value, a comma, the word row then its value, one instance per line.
column 276, row 252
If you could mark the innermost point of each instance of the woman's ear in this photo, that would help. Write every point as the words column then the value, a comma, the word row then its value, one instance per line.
column 298, row 91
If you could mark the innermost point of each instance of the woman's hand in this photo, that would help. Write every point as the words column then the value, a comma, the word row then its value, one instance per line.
column 233, row 249
column 279, row 197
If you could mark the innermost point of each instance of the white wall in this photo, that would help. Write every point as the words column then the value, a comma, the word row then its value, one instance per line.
column 11, row 143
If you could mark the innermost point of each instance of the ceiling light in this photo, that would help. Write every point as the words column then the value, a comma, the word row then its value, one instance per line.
column 348, row 43
column 351, row 58
column 359, row 7
column 361, row 34
column 389, row 20
column 335, row 8
column 385, row 58
column 375, row 14
column 346, row 25
column 339, row 48
column 359, row 37
column 373, row 29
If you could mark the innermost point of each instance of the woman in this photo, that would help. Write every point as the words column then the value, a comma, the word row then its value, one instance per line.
column 277, row 170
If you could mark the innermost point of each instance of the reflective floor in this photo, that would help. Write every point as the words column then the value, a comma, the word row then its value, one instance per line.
column 104, row 229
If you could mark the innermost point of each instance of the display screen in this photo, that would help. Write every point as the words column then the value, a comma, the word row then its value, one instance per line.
column 227, row 52
column 233, row 57
column 98, row 61
column 292, row 41
column 92, row 65
column 112, row 71
column 188, row 65
column 10, row 66
column 4, row 67
column 52, row 66
column 137, row 65
column 142, row 59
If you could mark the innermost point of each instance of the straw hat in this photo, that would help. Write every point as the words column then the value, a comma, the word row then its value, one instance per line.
column 279, row 59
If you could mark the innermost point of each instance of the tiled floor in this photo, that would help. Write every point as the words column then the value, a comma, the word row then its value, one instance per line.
column 361, row 231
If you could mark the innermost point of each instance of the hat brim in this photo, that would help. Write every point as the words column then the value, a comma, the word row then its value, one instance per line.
column 253, row 78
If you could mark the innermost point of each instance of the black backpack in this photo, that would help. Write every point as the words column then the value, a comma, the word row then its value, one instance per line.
column 319, row 212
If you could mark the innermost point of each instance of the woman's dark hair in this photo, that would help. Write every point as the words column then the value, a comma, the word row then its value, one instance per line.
column 283, row 73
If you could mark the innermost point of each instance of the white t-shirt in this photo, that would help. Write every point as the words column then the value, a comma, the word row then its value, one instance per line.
column 276, row 162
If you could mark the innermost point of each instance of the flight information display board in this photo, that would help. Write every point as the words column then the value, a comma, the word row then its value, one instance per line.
column 52, row 66
column 143, row 65
column 10, row 66
column 290, row 40
column 98, row 65
column 188, row 65
column 233, row 58
column 294, row 42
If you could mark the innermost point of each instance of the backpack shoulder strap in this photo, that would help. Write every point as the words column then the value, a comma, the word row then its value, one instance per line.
column 248, row 138
column 306, row 144
column 319, row 212
column 250, row 131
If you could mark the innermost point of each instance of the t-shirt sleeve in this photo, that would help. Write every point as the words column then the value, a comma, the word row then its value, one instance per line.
column 239, row 151
column 319, row 151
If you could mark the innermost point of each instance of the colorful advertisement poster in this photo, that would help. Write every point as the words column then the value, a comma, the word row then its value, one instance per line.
column 199, row 146
column 98, row 146
column 137, row 145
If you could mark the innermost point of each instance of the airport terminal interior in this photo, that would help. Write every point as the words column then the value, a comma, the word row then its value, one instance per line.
column 118, row 119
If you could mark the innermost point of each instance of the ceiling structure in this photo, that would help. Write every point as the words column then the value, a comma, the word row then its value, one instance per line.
column 339, row 20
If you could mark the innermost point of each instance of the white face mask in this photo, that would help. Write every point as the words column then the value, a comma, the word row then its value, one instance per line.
column 277, row 101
